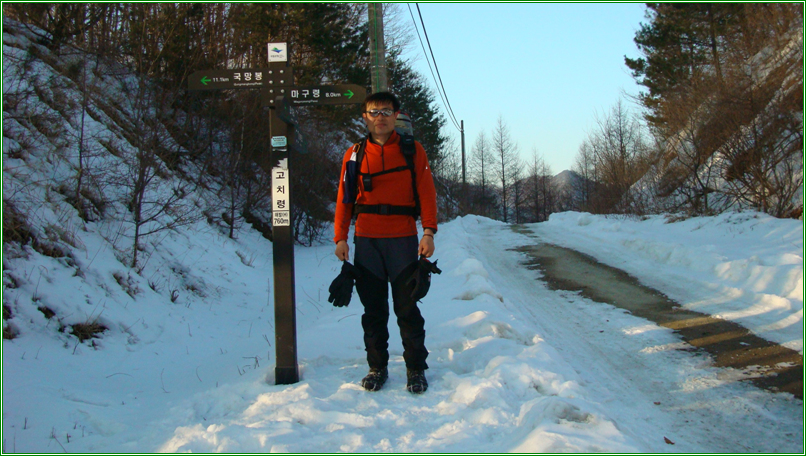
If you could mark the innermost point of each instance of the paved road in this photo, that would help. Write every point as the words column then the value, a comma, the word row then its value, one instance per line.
column 622, row 370
column 773, row 366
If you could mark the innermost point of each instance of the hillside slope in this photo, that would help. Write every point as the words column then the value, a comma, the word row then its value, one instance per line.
column 741, row 147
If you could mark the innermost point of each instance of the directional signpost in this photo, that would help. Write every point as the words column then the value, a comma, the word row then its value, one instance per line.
column 320, row 95
column 241, row 79
column 280, row 95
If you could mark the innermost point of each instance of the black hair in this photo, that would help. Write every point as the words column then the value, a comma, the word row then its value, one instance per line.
column 381, row 97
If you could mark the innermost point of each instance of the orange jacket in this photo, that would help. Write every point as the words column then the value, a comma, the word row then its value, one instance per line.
column 392, row 188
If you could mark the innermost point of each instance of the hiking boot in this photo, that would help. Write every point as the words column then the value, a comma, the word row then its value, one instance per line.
column 375, row 379
column 416, row 383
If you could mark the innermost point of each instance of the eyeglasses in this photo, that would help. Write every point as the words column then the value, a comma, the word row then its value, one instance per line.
column 376, row 112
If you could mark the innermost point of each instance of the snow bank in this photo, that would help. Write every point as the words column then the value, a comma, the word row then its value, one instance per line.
column 746, row 267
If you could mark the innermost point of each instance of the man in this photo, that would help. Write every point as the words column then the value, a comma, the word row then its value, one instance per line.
column 386, row 244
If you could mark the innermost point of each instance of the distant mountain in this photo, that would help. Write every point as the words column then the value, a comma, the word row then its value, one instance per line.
column 567, row 179
column 570, row 188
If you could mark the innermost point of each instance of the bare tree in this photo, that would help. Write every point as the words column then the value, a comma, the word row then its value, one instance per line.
column 583, row 189
column 518, row 195
column 543, row 191
column 619, row 151
column 690, row 174
column 762, row 109
column 398, row 33
column 157, row 199
column 311, row 211
column 535, row 170
column 86, row 195
column 233, row 173
column 448, row 180
column 550, row 193
column 765, row 168
column 480, row 167
column 507, row 162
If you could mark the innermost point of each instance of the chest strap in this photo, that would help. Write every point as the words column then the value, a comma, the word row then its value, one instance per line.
column 385, row 209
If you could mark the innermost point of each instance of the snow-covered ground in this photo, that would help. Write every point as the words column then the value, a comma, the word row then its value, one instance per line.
column 514, row 366
column 187, row 363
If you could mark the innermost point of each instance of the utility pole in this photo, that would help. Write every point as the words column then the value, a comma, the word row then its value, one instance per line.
column 377, row 49
column 464, row 180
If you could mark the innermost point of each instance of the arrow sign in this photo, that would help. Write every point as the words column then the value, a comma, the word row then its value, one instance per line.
column 246, row 78
column 325, row 95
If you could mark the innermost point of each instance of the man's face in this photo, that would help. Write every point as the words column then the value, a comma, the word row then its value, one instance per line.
column 380, row 125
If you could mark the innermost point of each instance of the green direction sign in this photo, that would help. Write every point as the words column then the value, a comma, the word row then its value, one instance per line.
column 325, row 95
column 240, row 79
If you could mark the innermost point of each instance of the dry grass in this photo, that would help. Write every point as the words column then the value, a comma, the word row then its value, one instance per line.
column 50, row 250
column 9, row 332
column 88, row 330
column 46, row 311
column 15, row 227
column 127, row 283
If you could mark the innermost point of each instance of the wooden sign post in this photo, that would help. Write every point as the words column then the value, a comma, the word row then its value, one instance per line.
column 280, row 95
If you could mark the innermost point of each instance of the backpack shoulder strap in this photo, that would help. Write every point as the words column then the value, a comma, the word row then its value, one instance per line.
column 409, row 149
column 359, row 149
column 410, row 161
column 359, row 159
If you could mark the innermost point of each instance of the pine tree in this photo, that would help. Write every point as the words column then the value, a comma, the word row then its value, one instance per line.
column 682, row 49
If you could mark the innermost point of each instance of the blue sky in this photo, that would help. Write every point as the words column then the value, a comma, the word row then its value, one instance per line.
column 547, row 69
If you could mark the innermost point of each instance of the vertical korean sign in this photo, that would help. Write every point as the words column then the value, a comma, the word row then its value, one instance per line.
column 281, row 128
column 281, row 214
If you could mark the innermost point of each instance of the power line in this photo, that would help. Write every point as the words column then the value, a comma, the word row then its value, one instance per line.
column 440, row 86
column 435, row 62
column 429, row 62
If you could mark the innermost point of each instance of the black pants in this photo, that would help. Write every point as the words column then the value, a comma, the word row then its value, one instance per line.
column 377, row 258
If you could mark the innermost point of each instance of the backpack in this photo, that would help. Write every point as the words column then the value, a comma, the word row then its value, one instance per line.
column 408, row 149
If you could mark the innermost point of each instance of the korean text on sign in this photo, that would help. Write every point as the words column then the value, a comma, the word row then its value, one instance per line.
column 280, row 201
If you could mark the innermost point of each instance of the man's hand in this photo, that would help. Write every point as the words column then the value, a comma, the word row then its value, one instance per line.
column 341, row 290
column 426, row 248
column 343, row 250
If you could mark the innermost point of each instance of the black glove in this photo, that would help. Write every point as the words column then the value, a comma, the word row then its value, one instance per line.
column 341, row 290
column 422, row 277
